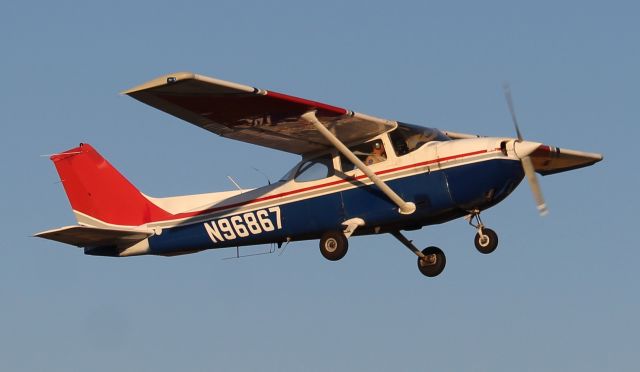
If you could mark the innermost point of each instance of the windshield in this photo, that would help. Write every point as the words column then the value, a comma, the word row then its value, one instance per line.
column 407, row 137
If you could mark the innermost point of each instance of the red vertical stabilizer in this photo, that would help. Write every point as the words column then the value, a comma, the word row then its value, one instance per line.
column 96, row 189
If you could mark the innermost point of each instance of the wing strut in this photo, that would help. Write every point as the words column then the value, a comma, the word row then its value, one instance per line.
column 405, row 207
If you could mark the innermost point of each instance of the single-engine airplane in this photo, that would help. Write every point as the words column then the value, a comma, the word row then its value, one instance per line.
column 359, row 175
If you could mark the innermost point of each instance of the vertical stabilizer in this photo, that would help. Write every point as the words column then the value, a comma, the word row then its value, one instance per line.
column 99, row 194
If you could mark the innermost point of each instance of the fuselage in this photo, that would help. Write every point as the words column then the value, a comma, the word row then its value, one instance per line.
column 445, row 180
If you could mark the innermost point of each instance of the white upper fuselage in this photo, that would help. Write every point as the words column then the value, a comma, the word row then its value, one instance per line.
column 432, row 156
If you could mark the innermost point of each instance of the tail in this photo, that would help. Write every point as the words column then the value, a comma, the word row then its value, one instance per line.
column 99, row 194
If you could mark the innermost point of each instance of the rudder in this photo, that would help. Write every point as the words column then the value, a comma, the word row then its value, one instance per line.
column 99, row 194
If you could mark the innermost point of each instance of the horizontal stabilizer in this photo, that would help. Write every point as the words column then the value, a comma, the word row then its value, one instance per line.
column 85, row 236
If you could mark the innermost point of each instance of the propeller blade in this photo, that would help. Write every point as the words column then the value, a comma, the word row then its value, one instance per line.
column 527, row 164
column 512, row 110
column 530, row 173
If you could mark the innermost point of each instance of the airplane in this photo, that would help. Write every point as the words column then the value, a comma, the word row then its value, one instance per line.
column 358, row 175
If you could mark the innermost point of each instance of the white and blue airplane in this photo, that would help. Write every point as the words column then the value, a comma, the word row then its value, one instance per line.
column 359, row 175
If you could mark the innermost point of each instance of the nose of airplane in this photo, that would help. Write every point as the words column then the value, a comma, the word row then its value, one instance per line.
column 523, row 150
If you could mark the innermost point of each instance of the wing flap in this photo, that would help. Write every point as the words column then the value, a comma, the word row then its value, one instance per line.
column 253, row 115
column 85, row 236
column 550, row 160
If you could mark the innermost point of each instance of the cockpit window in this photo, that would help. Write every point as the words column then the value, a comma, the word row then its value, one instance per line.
column 407, row 137
column 315, row 169
column 369, row 153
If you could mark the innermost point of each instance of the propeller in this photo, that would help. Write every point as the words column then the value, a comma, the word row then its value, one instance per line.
column 526, row 148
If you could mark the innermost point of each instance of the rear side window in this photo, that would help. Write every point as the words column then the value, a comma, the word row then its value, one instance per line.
column 315, row 169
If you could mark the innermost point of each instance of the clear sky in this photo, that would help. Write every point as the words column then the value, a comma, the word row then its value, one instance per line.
column 561, row 293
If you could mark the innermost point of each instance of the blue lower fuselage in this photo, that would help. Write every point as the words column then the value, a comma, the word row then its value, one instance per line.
column 439, row 196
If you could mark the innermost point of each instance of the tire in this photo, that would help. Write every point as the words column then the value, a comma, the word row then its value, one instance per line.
column 436, row 268
column 489, row 244
column 333, row 245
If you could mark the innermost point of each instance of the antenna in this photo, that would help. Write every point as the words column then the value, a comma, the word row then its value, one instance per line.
column 285, row 245
column 262, row 173
column 234, row 182
column 60, row 153
column 238, row 255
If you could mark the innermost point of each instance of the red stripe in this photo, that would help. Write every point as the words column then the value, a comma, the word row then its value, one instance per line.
column 332, row 183
column 310, row 104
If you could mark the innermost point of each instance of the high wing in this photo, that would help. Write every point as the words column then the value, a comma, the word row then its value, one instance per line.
column 252, row 115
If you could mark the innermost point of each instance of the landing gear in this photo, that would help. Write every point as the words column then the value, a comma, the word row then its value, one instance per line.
column 433, row 263
column 333, row 245
column 431, row 260
column 486, row 240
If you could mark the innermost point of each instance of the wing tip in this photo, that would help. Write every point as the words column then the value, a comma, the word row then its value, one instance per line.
column 186, row 75
column 160, row 81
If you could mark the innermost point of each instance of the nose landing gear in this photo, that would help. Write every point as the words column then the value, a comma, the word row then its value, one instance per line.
column 486, row 240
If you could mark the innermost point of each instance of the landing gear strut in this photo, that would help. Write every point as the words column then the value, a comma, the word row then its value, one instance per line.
column 431, row 260
column 486, row 240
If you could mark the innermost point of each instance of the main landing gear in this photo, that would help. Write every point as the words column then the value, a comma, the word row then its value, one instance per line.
column 486, row 240
column 333, row 245
column 431, row 260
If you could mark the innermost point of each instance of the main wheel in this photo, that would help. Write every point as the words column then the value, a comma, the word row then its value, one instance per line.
column 436, row 263
column 333, row 245
column 488, row 242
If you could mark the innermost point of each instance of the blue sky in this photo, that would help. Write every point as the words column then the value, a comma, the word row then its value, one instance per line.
column 559, row 294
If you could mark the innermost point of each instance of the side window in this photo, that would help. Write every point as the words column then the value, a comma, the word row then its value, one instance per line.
column 399, row 143
column 347, row 165
column 407, row 138
column 369, row 153
column 315, row 169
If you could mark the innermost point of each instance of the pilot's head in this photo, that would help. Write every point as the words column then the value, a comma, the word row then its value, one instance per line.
column 377, row 148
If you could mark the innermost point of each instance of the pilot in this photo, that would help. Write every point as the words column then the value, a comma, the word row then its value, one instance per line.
column 377, row 153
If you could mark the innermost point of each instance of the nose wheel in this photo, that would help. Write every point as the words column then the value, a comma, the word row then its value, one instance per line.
column 486, row 240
